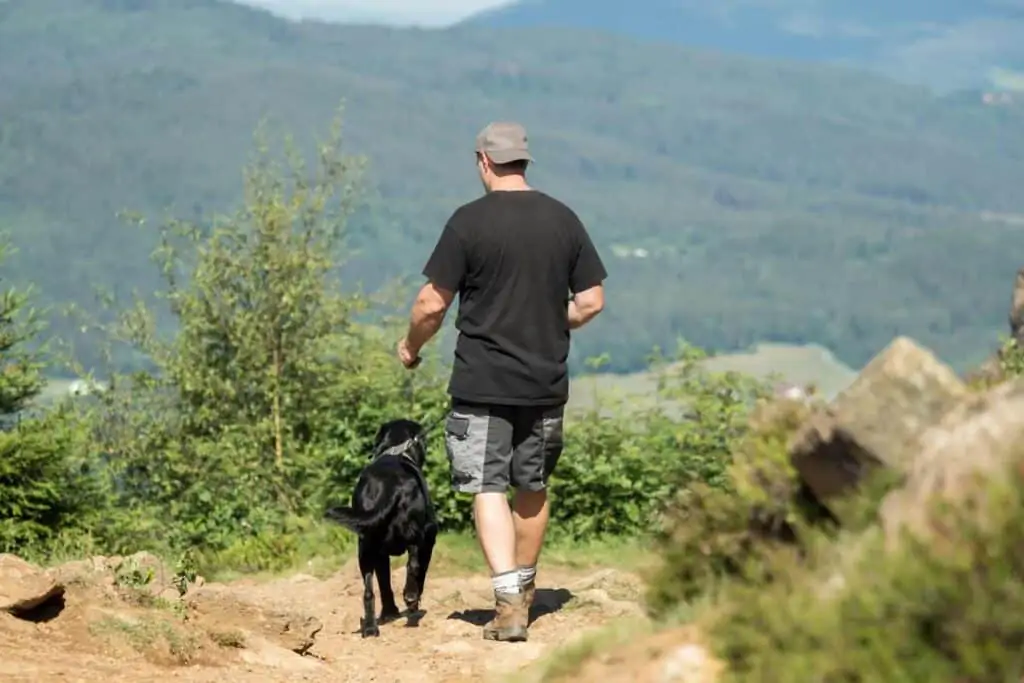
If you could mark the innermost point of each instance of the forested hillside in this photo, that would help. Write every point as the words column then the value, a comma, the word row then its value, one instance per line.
column 947, row 44
column 735, row 200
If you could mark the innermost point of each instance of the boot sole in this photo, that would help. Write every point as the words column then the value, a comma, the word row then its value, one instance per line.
column 517, row 635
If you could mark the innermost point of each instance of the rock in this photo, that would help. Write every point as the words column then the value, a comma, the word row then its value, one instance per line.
column 689, row 663
column 1017, row 308
column 986, row 374
column 261, row 652
column 24, row 586
column 216, row 606
column 982, row 436
column 876, row 421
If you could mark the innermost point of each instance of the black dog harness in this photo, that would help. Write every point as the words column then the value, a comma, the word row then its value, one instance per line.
column 403, row 452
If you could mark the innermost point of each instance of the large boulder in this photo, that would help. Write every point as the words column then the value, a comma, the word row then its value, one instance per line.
column 24, row 586
column 875, row 422
column 981, row 438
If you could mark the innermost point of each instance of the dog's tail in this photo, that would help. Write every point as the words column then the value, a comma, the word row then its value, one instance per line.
column 359, row 521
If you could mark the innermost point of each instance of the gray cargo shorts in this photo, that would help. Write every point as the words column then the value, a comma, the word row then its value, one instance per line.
column 493, row 446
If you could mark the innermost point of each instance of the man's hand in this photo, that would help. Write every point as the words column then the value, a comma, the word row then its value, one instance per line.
column 424, row 322
column 410, row 359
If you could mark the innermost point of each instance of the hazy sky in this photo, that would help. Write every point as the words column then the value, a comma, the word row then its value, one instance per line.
column 419, row 12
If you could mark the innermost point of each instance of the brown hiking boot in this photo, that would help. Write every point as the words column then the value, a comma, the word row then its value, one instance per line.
column 510, row 620
column 529, row 592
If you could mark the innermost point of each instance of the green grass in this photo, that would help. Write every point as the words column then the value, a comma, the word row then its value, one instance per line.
column 149, row 633
column 454, row 555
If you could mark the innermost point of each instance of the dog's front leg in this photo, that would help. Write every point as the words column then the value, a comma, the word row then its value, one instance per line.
column 368, row 624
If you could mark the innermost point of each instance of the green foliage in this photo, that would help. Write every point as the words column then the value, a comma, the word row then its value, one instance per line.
column 735, row 532
column 43, row 487
column 270, row 387
column 1011, row 358
column 620, row 467
column 931, row 610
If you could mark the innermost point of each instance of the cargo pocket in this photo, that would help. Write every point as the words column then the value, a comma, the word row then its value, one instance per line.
column 552, row 443
column 459, row 449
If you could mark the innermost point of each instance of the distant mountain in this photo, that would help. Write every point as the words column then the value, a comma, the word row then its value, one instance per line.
column 735, row 200
column 943, row 43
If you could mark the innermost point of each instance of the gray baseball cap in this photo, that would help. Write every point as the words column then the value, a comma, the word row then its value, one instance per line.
column 504, row 142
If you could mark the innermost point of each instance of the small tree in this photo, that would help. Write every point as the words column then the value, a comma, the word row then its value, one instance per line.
column 270, row 385
column 39, row 494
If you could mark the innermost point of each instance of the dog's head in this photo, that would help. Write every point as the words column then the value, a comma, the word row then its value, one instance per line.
column 398, row 432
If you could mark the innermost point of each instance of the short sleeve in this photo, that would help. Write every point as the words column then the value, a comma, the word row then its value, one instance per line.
column 446, row 267
column 587, row 269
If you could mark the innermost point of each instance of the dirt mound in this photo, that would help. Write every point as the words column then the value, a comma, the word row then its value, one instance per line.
column 130, row 619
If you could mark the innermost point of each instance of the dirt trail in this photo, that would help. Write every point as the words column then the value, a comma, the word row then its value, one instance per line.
column 97, row 637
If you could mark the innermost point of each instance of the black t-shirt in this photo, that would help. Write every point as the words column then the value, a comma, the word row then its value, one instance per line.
column 513, row 257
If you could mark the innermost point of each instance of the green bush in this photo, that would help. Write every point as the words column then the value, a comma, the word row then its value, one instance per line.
column 738, row 532
column 621, row 466
column 941, row 610
column 1011, row 358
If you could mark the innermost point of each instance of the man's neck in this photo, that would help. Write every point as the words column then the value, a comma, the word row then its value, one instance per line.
column 510, row 184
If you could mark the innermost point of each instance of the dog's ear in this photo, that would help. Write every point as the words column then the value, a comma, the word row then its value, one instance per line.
column 379, row 437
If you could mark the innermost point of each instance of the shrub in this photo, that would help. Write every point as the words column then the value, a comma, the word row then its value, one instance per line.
column 944, row 612
column 737, row 532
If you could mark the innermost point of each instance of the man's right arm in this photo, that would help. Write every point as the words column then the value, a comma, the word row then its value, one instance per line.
column 586, row 280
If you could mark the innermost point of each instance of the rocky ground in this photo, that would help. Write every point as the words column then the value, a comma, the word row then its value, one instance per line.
column 128, row 619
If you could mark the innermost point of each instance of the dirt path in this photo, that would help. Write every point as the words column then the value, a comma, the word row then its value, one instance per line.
column 98, row 637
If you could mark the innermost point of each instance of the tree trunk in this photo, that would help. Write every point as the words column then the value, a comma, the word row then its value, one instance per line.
column 278, row 437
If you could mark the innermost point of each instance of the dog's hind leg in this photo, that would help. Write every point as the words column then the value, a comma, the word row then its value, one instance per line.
column 368, row 624
column 389, row 610
column 416, row 573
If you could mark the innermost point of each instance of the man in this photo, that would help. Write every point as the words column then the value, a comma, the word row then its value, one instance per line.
column 513, row 256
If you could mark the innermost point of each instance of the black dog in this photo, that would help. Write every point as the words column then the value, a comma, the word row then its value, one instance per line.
column 393, row 514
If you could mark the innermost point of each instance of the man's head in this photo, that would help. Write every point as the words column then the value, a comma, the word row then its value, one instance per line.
column 502, row 154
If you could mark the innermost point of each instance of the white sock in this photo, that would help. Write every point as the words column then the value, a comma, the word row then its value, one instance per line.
column 527, row 574
column 506, row 583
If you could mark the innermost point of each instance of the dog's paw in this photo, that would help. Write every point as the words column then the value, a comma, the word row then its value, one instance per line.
column 389, row 615
column 370, row 630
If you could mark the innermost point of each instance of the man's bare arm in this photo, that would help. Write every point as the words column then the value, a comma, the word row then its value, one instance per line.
column 585, row 306
column 427, row 316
